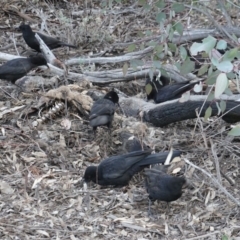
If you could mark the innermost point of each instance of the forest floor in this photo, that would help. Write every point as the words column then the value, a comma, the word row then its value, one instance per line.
column 41, row 168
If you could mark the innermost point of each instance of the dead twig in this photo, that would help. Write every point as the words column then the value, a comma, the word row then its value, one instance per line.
column 214, row 153
column 215, row 181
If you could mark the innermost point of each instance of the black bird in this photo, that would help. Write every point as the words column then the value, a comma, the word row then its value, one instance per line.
column 32, row 42
column 19, row 67
column 156, row 83
column 168, row 92
column 131, row 143
column 103, row 110
column 163, row 187
column 118, row 170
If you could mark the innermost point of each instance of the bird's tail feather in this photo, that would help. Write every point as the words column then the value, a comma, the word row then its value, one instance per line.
column 69, row 45
column 159, row 157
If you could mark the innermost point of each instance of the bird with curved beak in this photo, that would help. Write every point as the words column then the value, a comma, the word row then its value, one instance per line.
column 162, row 93
column 32, row 42
column 19, row 67
column 163, row 187
column 118, row 170
column 102, row 111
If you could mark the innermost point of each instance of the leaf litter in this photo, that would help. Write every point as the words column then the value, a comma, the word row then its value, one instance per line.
column 42, row 166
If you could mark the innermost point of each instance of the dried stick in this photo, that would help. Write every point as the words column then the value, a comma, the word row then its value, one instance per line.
column 215, row 181
column 224, row 11
column 213, row 148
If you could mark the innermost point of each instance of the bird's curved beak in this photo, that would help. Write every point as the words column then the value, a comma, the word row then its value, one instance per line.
column 189, row 184
column 47, row 66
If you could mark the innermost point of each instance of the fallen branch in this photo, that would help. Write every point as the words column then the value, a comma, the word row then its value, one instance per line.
column 104, row 60
column 45, row 50
column 110, row 76
column 173, row 111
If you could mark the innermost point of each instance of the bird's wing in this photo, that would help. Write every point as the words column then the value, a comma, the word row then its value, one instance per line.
column 102, row 107
column 16, row 66
column 151, row 186
column 54, row 42
column 131, row 143
column 50, row 41
column 182, row 87
column 164, row 180
column 117, row 166
column 173, row 91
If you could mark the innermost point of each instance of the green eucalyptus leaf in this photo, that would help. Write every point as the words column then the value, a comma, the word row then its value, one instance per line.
column 183, row 53
column 208, row 113
column 225, row 66
column 157, row 64
column 221, row 45
column 187, row 67
column 231, row 54
column 223, row 105
column 161, row 17
column 210, row 96
column 221, row 84
column 160, row 4
column 148, row 88
column 179, row 28
column 131, row 48
column 207, row 45
column 203, row 69
column 212, row 77
column 228, row 92
column 178, row 7
column 235, row 131
column 142, row 2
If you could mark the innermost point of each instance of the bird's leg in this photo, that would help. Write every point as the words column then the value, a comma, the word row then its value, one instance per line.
column 109, row 130
column 108, row 137
column 149, row 207
column 168, row 209
column 94, row 133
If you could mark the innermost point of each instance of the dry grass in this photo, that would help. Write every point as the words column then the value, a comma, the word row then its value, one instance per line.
column 41, row 195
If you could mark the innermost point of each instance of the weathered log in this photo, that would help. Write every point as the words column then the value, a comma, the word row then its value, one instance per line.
column 173, row 111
